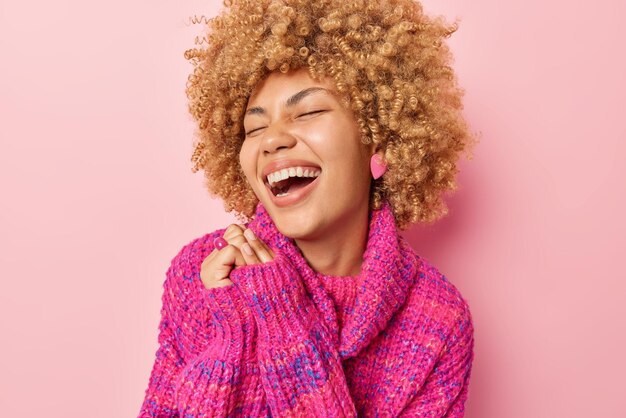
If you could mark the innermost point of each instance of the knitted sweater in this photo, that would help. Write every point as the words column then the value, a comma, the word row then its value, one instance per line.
column 284, row 340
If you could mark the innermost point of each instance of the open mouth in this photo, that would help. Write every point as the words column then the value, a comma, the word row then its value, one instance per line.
column 289, row 180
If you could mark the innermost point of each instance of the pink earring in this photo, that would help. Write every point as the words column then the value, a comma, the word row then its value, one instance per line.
column 377, row 166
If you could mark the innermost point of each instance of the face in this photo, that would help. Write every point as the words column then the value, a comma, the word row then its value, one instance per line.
column 303, row 157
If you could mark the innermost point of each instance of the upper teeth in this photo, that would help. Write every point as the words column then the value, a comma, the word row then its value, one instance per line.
column 280, row 175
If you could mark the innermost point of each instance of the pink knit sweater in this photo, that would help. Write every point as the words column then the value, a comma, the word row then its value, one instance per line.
column 283, row 340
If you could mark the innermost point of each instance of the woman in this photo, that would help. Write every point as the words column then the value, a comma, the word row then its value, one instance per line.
column 327, row 126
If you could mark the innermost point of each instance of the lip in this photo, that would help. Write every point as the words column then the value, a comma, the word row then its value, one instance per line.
column 293, row 197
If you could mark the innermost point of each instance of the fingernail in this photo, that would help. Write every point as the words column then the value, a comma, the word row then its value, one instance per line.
column 247, row 249
column 249, row 234
column 220, row 243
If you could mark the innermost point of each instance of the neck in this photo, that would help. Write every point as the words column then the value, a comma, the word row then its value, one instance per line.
column 340, row 251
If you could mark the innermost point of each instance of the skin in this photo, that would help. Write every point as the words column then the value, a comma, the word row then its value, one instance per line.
column 293, row 117
column 243, row 248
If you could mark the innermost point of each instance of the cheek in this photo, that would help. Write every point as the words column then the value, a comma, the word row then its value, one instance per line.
column 348, row 153
column 247, row 161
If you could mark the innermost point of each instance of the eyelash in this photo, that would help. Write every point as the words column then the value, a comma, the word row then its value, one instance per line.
column 302, row 114
column 310, row 113
column 253, row 131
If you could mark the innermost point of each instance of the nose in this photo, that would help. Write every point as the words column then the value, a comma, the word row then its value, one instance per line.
column 277, row 138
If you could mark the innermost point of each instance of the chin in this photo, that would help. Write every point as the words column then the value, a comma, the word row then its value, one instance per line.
column 296, row 226
column 293, row 230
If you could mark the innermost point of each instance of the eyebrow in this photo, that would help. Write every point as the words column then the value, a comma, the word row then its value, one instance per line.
column 292, row 101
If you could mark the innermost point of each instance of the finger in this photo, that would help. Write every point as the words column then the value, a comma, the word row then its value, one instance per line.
column 261, row 250
column 248, row 255
column 208, row 258
column 225, row 260
column 222, row 283
column 232, row 232
column 234, row 235
column 239, row 259
column 229, row 256
column 237, row 239
column 216, row 267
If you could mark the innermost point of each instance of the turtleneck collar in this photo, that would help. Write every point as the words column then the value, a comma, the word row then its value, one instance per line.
column 387, row 273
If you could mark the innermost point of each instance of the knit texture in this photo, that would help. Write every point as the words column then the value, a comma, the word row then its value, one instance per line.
column 286, row 341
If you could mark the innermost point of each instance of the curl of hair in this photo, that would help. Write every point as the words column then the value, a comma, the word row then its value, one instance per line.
column 386, row 57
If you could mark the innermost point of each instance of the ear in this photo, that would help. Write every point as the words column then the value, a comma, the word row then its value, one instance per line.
column 375, row 149
column 372, row 148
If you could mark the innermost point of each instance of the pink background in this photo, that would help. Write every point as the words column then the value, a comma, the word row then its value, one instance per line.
column 97, row 197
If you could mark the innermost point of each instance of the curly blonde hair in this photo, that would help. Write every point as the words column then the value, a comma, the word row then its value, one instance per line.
column 385, row 56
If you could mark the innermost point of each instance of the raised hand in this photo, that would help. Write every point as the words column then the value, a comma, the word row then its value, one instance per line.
column 241, row 248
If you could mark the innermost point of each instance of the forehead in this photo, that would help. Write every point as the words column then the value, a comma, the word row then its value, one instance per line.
column 279, row 87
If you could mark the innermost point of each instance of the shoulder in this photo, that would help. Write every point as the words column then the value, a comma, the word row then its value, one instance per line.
column 197, row 248
column 434, row 283
column 439, row 303
column 183, row 274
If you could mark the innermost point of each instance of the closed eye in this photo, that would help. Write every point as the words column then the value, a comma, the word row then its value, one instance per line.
column 314, row 112
column 250, row 132
column 302, row 115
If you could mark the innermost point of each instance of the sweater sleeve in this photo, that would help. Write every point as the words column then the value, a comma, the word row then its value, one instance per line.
column 206, row 360
column 446, row 388
column 159, row 400
column 300, row 367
